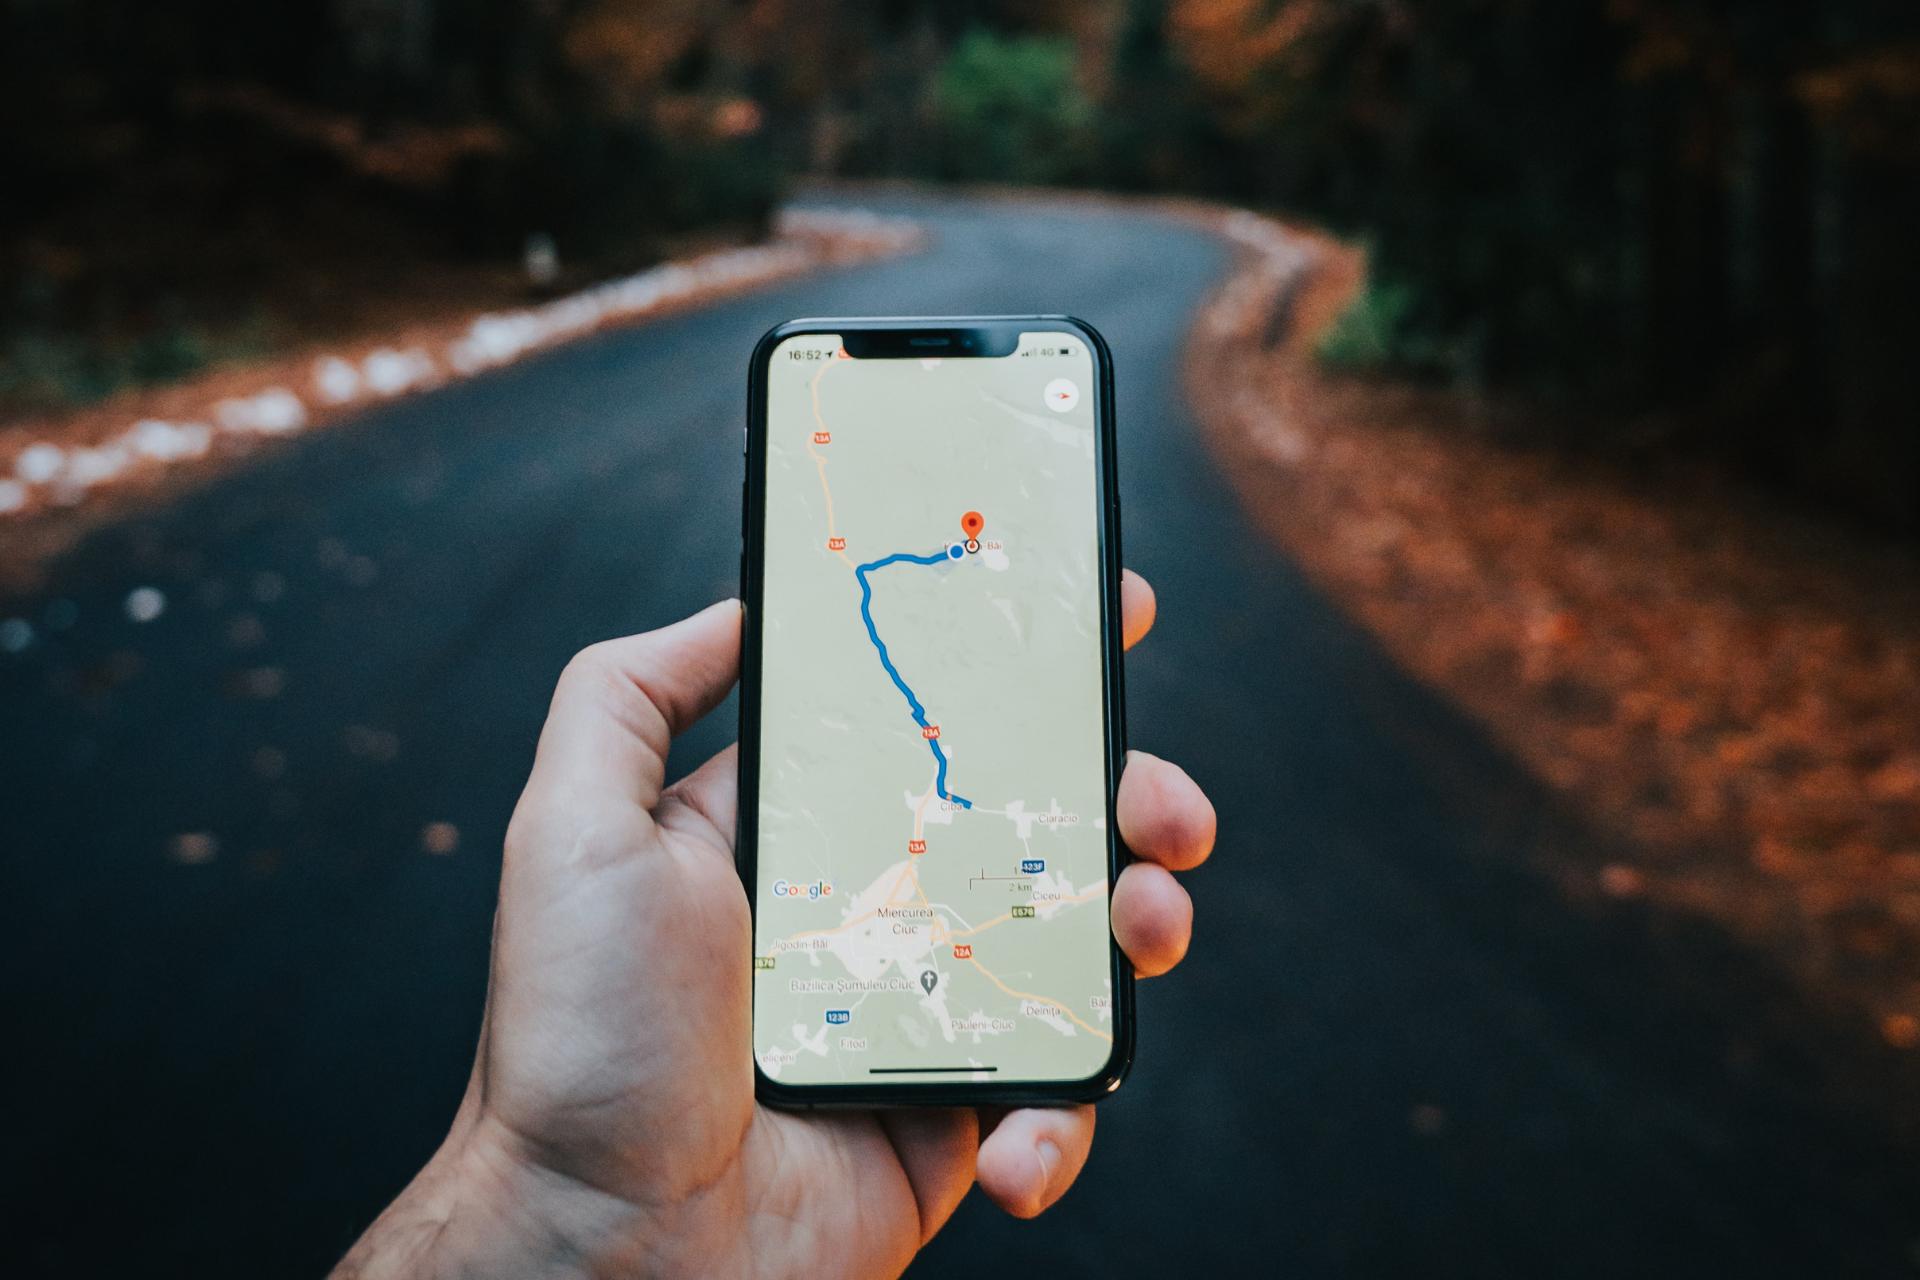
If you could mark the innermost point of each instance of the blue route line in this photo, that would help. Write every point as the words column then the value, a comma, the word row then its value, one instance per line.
column 913, row 703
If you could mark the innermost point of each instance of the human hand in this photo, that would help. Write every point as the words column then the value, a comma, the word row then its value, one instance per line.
column 609, row 1126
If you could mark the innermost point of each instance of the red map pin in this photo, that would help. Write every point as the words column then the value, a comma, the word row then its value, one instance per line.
column 972, row 523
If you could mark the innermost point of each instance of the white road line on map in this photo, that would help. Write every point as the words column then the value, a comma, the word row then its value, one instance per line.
column 820, row 462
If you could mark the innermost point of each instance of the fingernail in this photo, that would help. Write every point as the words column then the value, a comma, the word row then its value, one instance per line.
column 1049, row 1161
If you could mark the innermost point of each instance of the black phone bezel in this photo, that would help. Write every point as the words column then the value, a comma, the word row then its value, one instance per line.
column 894, row 337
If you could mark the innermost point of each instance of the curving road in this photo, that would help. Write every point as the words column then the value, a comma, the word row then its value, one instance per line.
column 1396, row 1050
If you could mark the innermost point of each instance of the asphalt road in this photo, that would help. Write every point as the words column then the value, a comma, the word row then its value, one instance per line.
column 1397, row 1048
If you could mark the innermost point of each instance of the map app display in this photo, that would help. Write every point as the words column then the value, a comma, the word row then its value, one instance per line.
column 931, row 895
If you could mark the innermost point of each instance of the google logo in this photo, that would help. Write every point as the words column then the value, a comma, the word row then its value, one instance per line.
column 789, row 889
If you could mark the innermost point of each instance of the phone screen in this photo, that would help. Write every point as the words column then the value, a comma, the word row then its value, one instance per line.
column 931, row 875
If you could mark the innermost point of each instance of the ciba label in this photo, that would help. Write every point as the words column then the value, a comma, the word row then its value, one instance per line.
column 794, row 889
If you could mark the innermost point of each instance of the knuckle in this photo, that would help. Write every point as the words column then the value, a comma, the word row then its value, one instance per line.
column 619, row 676
column 594, row 664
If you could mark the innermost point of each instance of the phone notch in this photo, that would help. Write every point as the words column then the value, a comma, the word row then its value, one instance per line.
column 902, row 344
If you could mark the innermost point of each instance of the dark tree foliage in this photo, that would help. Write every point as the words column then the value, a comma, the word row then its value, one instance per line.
column 1699, row 210
column 168, row 165
column 400, row 98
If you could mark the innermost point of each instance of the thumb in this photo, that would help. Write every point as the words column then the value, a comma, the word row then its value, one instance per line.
column 620, row 702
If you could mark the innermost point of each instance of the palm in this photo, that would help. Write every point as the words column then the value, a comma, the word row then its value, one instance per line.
column 622, row 1047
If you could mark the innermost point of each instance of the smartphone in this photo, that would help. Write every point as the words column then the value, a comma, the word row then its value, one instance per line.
column 931, row 715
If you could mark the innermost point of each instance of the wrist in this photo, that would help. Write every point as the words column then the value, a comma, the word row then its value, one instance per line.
column 477, row 1209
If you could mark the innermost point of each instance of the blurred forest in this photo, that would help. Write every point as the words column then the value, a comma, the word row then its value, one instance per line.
column 1695, row 219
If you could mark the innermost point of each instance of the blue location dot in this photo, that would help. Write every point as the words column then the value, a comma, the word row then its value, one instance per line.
column 955, row 551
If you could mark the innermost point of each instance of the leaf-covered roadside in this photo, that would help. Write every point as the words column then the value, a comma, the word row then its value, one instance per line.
column 1732, row 689
column 65, row 475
